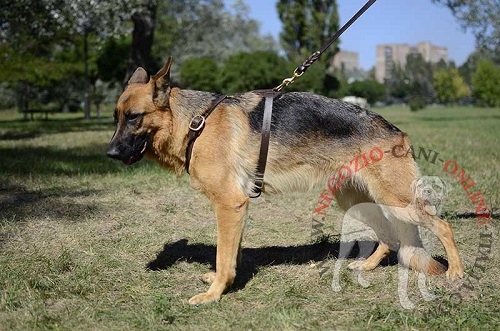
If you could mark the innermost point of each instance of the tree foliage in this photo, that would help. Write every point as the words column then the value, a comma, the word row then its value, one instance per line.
column 250, row 71
column 192, row 28
column 449, row 85
column 369, row 89
column 482, row 17
column 200, row 73
column 39, row 39
column 307, row 24
column 486, row 83
column 413, row 83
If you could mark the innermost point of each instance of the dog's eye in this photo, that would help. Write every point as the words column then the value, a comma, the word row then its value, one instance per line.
column 133, row 117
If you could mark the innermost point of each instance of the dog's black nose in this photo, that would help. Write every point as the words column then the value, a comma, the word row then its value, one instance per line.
column 113, row 152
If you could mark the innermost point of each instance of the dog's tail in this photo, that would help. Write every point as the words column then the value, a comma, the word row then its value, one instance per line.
column 418, row 259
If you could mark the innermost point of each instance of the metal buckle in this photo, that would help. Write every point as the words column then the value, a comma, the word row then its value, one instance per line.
column 199, row 126
column 257, row 190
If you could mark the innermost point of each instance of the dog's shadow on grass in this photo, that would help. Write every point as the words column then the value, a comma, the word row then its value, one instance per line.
column 253, row 258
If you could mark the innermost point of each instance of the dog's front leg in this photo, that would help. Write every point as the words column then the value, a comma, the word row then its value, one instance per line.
column 230, row 218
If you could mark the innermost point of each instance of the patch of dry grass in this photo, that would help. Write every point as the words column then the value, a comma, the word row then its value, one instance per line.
column 86, row 243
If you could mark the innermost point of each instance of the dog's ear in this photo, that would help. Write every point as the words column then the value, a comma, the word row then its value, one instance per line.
column 161, row 85
column 140, row 76
column 446, row 186
column 414, row 186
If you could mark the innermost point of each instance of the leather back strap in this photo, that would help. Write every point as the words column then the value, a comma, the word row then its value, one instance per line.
column 196, row 127
column 264, row 143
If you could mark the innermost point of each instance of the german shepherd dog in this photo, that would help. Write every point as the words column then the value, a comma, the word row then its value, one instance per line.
column 311, row 138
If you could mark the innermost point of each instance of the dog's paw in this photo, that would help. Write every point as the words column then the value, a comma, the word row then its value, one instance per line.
column 204, row 298
column 454, row 273
column 208, row 278
column 361, row 281
column 360, row 265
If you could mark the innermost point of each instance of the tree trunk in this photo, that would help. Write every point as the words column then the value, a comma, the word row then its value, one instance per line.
column 142, row 40
column 98, row 109
column 23, row 99
column 86, row 108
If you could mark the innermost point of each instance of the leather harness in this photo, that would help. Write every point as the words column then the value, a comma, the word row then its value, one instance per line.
column 198, row 123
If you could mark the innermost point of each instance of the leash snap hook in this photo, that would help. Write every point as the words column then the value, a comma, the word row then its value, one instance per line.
column 288, row 81
column 197, row 123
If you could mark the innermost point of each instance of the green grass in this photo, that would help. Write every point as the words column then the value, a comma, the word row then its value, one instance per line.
column 89, row 244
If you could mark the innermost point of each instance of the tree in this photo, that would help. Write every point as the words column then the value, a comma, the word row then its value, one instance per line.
column 200, row 73
column 249, row 71
column 398, row 85
column 113, row 59
column 369, row 89
column 307, row 24
column 193, row 28
column 449, row 85
column 56, row 26
column 84, row 17
column 419, row 73
column 27, row 51
column 143, row 17
column 413, row 83
column 482, row 17
column 486, row 84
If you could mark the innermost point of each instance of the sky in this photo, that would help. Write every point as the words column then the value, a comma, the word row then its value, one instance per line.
column 387, row 21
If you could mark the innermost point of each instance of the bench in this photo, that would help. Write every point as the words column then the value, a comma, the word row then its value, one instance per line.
column 40, row 111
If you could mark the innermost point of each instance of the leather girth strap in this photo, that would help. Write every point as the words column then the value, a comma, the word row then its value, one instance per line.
column 198, row 123
column 264, row 142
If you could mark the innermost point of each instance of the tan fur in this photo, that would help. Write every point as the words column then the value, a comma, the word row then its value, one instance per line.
column 225, row 155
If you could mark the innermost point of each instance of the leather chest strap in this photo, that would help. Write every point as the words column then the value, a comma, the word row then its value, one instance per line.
column 196, row 127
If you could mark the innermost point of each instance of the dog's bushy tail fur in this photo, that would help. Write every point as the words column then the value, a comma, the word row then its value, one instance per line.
column 418, row 259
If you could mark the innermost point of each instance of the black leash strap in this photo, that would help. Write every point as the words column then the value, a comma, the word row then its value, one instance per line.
column 299, row 71
column 196, row 127
column 264, row 143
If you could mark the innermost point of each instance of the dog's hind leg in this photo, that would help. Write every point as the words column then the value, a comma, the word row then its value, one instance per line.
column 344, row 251
column 403, row 278
column 389, row 182
column 373, row 260
column 361, row 208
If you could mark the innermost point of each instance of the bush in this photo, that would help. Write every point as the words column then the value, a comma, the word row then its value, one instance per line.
column 449, row 85
column 416, row 102
column 7, row 97
column 200, row 74
column 244, row 72
column 369, row 89
column 486, row 83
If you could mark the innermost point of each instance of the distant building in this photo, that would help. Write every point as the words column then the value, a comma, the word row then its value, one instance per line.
column 390, row 54
column 346, row 61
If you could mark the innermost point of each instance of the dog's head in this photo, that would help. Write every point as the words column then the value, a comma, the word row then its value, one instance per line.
column 429, row 194
column 141, row 110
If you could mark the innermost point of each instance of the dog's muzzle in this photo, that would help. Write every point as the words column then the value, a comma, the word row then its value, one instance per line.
column 128, row 154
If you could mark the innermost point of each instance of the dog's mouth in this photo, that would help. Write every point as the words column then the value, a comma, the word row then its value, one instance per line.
column 431, row 207
column 137, row 157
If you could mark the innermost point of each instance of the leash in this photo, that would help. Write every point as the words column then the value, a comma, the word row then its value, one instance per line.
column 299, row 71
column 198, row 122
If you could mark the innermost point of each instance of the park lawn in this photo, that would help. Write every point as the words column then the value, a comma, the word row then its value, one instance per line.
column 87, row 243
